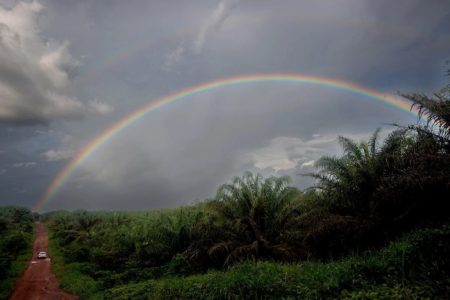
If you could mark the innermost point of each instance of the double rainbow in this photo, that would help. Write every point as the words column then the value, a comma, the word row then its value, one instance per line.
column 103, row 138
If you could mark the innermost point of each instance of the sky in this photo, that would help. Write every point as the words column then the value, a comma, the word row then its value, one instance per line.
column 71, row 69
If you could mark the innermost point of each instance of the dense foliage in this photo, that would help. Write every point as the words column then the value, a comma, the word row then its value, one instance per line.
column 415, row 267
column 374, row 193
column 16, row 233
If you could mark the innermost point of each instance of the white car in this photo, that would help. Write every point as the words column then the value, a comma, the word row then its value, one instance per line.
column 42, row 254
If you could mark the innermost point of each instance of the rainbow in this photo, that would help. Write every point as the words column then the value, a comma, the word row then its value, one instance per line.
column 108, row 134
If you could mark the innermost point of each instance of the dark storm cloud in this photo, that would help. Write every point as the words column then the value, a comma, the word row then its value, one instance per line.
column 34, row 73
column 22, row 169
column 132, row 52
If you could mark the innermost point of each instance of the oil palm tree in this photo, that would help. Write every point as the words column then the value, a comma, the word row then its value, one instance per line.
column 256, row 211
column 348, row 181
column 436, row 110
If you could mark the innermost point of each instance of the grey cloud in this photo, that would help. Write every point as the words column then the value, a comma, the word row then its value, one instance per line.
column 306, row 164
column 98, row 107
column 35, row 73
column 58, row 154
column 214, row 22
column 184, row 151
column 24, row 164
column 174, row 57
column 211, row 25
column 290, row 153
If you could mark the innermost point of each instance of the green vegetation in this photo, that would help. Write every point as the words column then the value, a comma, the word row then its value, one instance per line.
column 16, row 236
column 411, row 268
column 71, row 275
column 376, row 226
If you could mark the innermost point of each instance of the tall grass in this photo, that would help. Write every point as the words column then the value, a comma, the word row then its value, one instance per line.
column 412, row 268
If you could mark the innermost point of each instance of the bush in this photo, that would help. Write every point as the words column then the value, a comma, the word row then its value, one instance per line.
column 16, row 234
column 413, row 267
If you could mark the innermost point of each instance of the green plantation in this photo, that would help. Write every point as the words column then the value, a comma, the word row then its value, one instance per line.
column 376, row 226
column 412, row 267
column 16, row 236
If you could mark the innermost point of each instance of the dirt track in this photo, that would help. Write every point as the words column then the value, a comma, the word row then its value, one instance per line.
column 38, row 282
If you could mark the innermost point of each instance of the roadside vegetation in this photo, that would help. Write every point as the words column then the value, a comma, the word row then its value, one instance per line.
column 414, row 267
column 16, row 239
column 376, row 226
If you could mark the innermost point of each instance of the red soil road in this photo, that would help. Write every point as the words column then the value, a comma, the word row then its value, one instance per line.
column 38, row 282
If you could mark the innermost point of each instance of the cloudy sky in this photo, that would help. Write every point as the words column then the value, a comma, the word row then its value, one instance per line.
column 70, row 69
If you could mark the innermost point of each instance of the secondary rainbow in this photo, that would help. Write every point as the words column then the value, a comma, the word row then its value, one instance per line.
column 154, row 105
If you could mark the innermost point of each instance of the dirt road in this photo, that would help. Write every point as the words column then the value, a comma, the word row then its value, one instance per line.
column 38, row 282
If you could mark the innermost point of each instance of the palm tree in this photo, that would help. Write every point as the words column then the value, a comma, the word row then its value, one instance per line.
column 419, row 181
column 160, row 239
column 385, row 183
column 436, row 110
column 253, row 213
column 174, row 231
column 348, row 181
